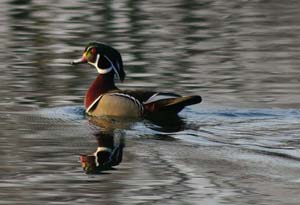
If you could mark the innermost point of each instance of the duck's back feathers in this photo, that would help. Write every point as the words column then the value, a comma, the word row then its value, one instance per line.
column 145, row 96
column 170, row 105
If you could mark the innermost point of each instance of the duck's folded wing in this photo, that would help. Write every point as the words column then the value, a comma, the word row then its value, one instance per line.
column 145, row 96
column 170, row 105
column 155, row 102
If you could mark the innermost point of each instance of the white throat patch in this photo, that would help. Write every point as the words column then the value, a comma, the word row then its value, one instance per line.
column 101, row 149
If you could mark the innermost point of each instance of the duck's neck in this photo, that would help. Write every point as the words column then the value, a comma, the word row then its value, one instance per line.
column 102, row 84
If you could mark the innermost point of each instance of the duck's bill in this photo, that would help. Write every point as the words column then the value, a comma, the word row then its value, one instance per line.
column 79, row 61
column 88, row 163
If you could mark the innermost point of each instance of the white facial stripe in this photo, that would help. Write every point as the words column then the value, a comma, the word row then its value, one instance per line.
column 89, row 48
column 96, row 62
column 101, row 70
column 113, row 67
column 107, row 70
column 101, row 149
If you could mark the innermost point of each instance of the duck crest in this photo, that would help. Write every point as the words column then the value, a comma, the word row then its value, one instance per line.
column 102, row 84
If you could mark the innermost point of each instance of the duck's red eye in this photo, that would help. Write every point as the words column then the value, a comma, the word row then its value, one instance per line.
column 93, row 50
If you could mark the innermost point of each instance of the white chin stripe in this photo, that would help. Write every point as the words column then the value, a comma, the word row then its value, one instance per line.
column 106, row 70
column 101, row 149
column 100, row 70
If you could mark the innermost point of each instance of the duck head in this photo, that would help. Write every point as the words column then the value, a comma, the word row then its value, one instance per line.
column 98, row 161
column 104, row 58
column 104, row 158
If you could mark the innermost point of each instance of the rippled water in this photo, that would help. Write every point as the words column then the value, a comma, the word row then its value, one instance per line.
column 240, row 146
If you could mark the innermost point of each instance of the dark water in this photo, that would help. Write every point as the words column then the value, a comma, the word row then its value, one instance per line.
column 240, row 146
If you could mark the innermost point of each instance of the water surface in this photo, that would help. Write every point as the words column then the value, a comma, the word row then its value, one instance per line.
column 240, row 146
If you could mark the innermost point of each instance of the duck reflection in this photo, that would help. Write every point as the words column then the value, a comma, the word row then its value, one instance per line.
column 110, row 139
column 165, row 122
column 110, row 144
column 107, row 155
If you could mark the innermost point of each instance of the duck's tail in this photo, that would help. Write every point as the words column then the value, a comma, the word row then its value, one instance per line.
column 171, row 105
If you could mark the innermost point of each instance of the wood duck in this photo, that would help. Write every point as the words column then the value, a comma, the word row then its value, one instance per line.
column 103, row 98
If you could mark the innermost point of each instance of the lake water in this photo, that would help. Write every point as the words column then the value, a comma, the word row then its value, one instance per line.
column 241, row 145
